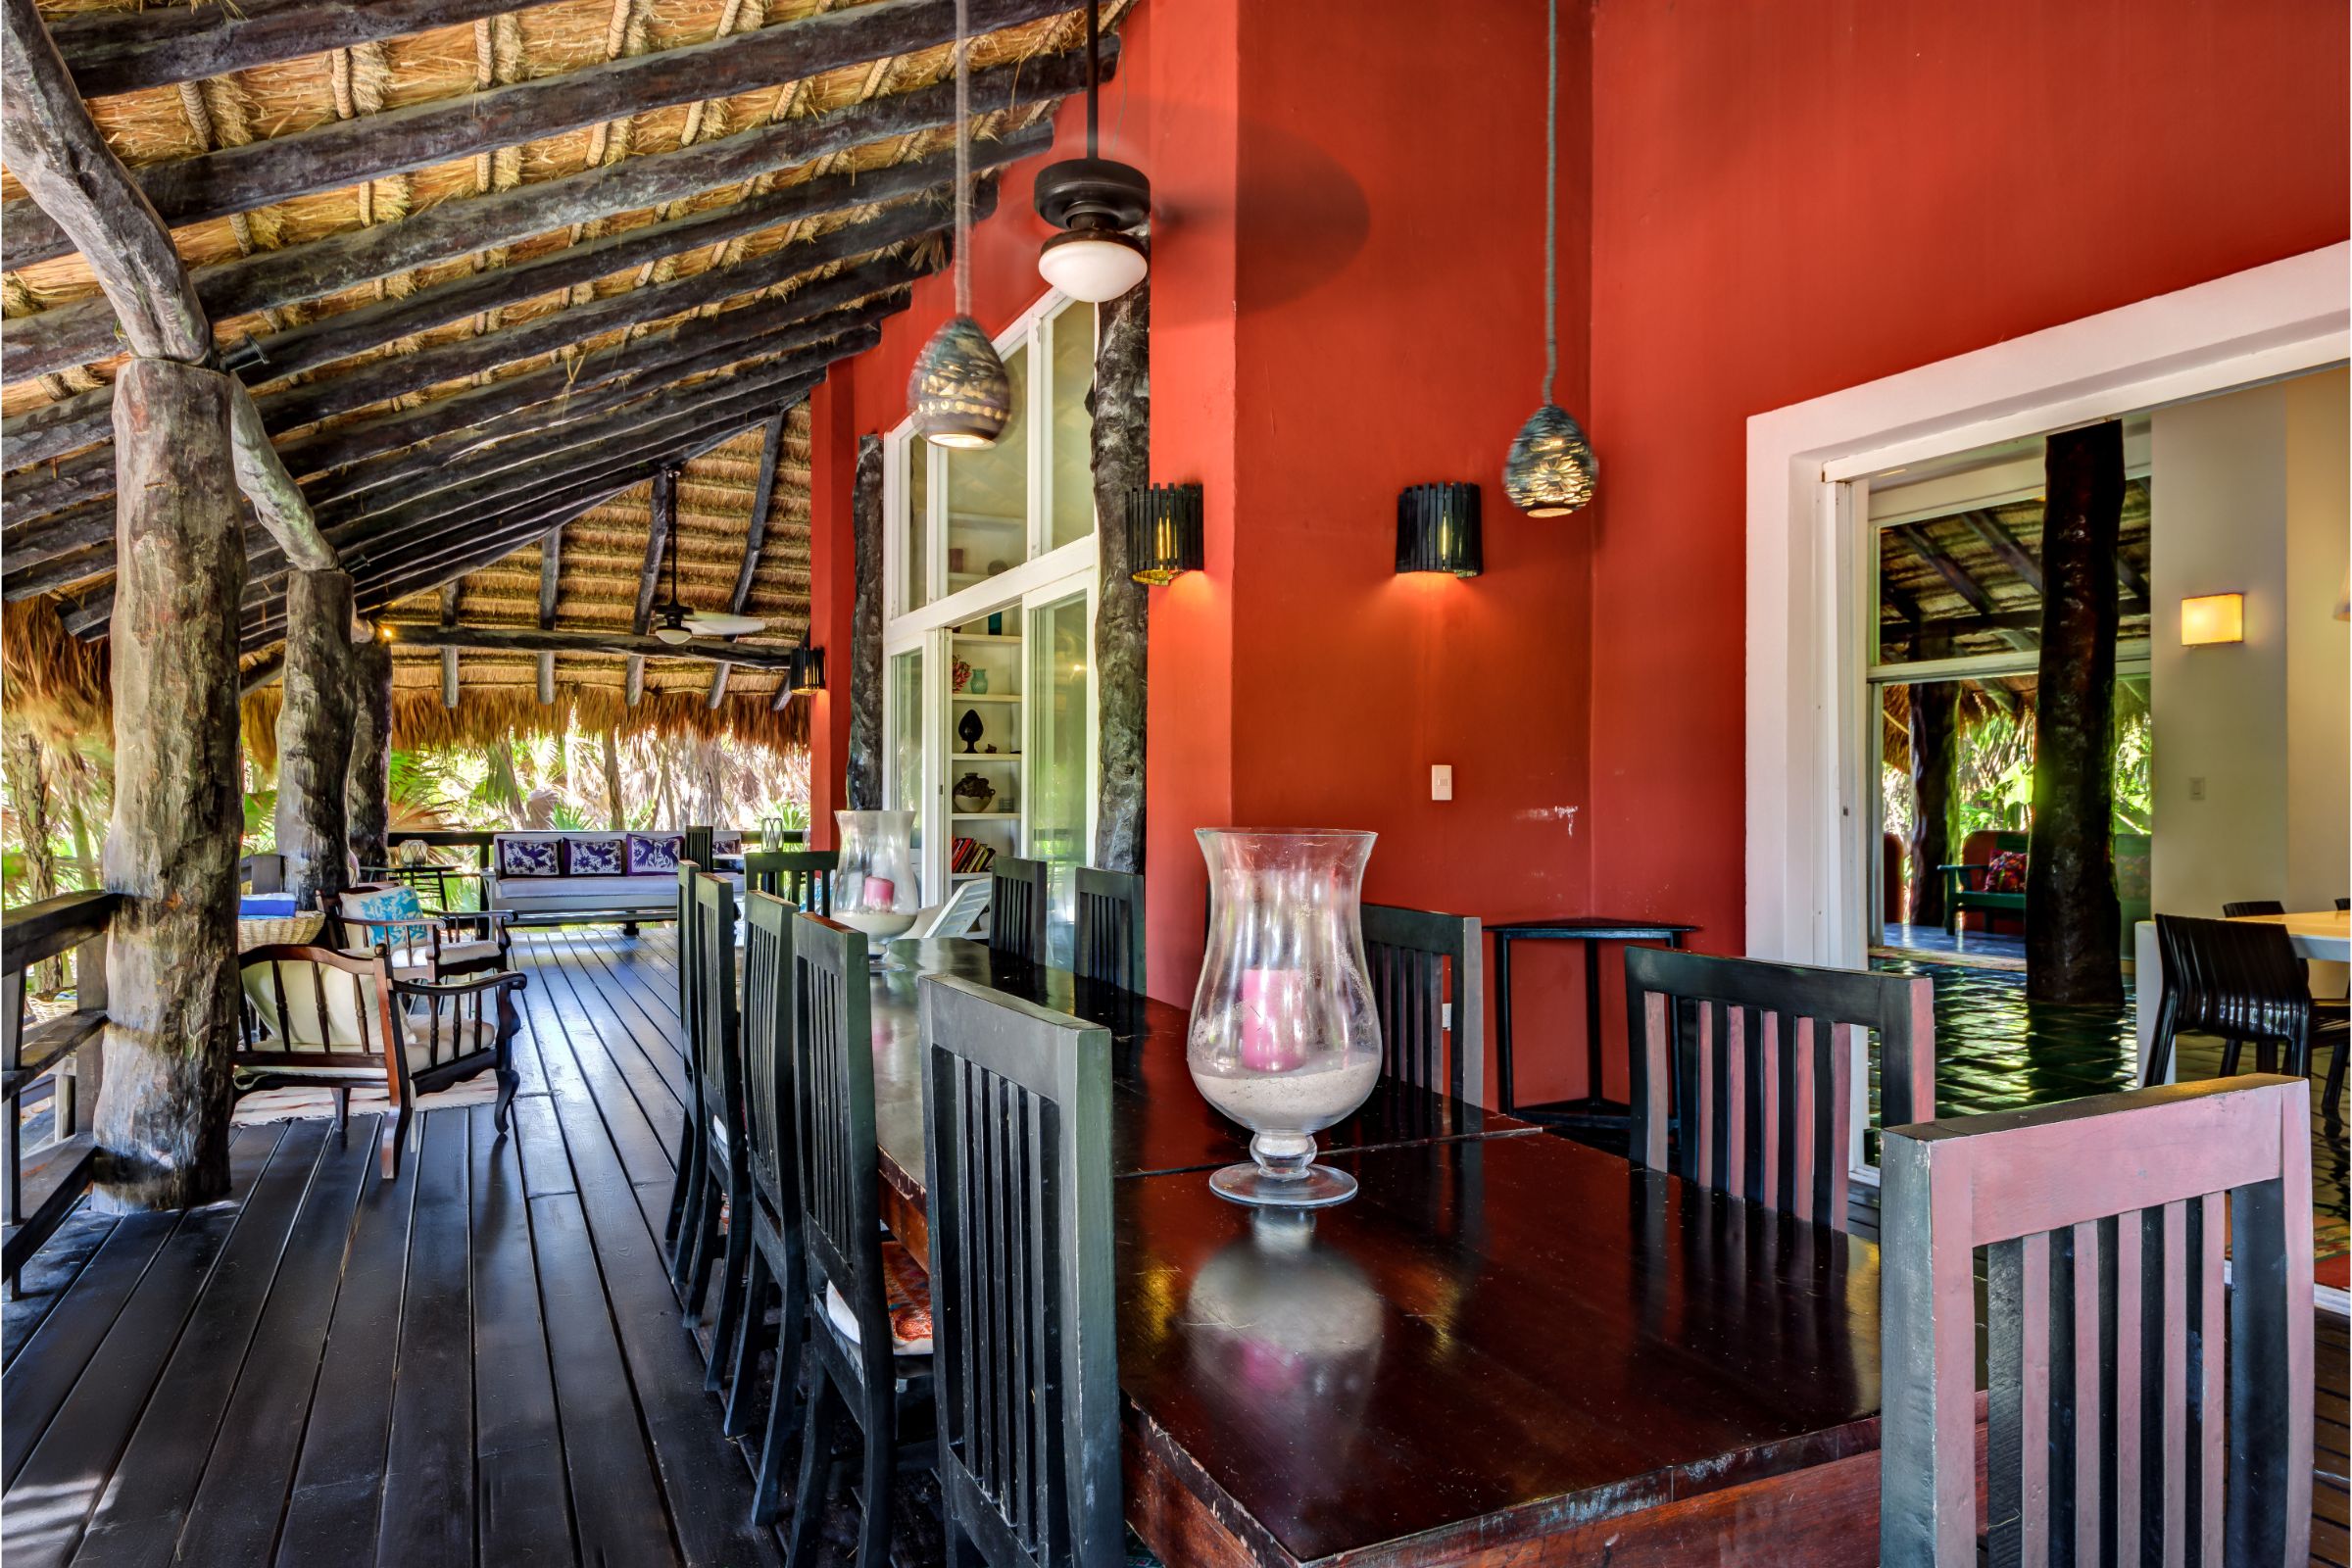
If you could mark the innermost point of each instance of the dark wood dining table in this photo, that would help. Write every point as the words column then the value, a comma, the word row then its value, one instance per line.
column 1508, row 1349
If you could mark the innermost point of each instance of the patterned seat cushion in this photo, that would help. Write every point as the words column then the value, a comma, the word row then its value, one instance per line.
column 531, row 853
column 651, row 853
column 906, row 1291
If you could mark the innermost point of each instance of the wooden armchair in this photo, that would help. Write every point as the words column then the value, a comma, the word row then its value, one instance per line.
column 422, row 944
column 315, row 1017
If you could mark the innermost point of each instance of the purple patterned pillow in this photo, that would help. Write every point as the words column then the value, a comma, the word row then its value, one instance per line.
column 594, row 857
column 529, row 856
column 652, row 853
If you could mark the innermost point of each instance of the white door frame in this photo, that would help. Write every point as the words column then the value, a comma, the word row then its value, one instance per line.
column 1809, row 603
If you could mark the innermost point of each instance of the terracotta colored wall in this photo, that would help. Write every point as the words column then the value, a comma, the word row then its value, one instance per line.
column 1792, row 198
column 833, row 589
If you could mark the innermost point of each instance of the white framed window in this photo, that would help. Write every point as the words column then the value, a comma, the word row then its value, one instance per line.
column 990, row 568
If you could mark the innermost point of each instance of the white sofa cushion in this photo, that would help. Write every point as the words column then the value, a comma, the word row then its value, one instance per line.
column 538, row 895
column 338, row 1029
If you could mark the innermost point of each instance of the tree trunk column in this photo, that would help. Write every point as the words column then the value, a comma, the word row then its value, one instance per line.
column 1934, row 750
column 2072, row 926
column 864, row 762
column 314, row 736
column 1121, row 406
column 368, row 787
column 171, row 848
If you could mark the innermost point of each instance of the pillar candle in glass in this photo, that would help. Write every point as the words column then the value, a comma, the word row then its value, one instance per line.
column 1283, row 1038
column 875, row 888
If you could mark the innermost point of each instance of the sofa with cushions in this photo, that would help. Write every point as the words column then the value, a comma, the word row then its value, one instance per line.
column 627, row 876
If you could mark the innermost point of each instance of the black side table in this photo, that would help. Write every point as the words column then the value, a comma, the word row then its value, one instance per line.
column 1591, row 930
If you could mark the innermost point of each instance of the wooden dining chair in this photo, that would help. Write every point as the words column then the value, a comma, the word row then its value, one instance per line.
column 776, row 1264
column 707, row 1245
column 421, row 945
column 854, row 1365
column 2240, row 980
column 2147, row 1329
column 1107, row 936
column 2243, row 909
column 1742, row 1072
column 1428, row 990
column 802, row 878
column 1018, row 895
column 316, row 1018
column 689, row 1135
column 1016, row 1142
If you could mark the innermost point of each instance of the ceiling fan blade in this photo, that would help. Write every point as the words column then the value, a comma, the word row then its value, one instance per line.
column 714, row 624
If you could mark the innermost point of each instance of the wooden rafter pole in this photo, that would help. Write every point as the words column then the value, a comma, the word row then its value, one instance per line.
column 1996, row 537
column 79, row 332
column 763, row 489
column 663, row 517
column 532, row 640
column 351, row 152
column 1957, row 577
column 551, row 577
column 449, row 655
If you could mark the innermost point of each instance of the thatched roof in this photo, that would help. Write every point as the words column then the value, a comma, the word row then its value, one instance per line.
column 356, row 420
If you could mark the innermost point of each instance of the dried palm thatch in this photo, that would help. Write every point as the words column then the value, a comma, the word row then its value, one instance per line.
column 602, row 551
column 53, row 682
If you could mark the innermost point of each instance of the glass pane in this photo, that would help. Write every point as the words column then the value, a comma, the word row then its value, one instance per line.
column 987, row 495
column 918, row 523
column 1074, row 426
column 907, row 737
column 1969, row 582
column 1058, row 752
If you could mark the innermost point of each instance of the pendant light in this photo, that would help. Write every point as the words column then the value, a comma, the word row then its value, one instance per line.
column 959, row 390
column 1093, row 200
column 1551, row 471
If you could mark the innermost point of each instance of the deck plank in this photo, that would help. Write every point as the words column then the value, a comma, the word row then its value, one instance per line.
column 38, row 1380
column 48, row 1275
column 427, row 1514
column 521, row 1502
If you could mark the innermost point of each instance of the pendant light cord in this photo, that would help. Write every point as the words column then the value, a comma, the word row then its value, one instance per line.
column 1094, row 80
column 1551, row 200
column 964, row 163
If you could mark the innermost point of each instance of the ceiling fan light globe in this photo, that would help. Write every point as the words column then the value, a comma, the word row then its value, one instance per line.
column 673, row 635
column 1092, row 265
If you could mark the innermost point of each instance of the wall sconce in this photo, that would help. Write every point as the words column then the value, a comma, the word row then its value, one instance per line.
column 807, row 672
column 2213, row 619
column 1164, row 534
column 1437, row 530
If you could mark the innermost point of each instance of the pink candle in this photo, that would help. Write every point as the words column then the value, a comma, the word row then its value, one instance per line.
column 881, row 892
column 1269, row 1019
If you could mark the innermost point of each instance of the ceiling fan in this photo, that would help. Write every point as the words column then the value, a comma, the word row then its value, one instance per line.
column 675, row 623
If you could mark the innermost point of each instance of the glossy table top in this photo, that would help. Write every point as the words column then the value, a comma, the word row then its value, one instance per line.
column 1495, row 1339
column 1159, row 1121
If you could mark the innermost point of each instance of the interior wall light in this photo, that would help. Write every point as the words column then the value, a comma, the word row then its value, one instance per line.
column 1437, row 530
column 1164, row 535
column 2209, row 619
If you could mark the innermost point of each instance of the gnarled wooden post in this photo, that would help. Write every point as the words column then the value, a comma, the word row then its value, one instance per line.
column 1935, row 754
column 864, row 772
column 314, row 736
column 1121, row 404
column 171, row 988
column 2073, row 924
column 367, row 786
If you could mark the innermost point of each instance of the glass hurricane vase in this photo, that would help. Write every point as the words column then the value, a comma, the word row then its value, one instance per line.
column 1283, row 1038
column 874, row 886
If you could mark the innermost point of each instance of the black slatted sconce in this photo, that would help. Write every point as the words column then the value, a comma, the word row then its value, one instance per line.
column 1437, row 530
column 807, row 672
column 1164, row 532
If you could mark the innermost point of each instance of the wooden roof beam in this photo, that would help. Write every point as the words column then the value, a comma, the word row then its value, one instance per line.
column 551, row 574
column 53, row 147
column 763, row 489
column 2004, row 544
column 1956, row 577
column 350, row 152
column 122, row 51
column 530, row 639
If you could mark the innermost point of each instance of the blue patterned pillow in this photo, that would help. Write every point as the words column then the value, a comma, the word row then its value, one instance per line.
column 521, row 856
column 390, row 905
column 654, row 853
column 595, row 856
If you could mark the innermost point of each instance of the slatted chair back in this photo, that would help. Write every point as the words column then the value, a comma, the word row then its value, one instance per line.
column 1428, row 987
column 688, row 871
column 1017, row 897
column 1756, row 1061
column 1017, row 1145
column 315, row 1006
column 1107, row 943
column 717, row 1062
column 2240, row 909
column 2143, row 1406
column 802, row 878
column 767, row 1024
column 2240, row 979
column 832, row 1131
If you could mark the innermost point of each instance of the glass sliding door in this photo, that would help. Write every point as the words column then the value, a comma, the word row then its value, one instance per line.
column 1060, row 750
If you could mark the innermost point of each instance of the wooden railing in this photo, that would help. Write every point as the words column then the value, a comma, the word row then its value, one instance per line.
column 53, row 1060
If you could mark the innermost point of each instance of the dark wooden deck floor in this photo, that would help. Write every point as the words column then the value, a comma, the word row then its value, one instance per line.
column 481, row 1362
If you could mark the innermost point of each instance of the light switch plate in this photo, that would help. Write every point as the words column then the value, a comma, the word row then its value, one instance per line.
column 2197, row 789
column 1441, row 781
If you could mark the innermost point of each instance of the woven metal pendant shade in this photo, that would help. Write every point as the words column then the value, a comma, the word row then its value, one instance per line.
column 1164, row 532
column 1437, row 530
column 959, row 390
column 1551, row 471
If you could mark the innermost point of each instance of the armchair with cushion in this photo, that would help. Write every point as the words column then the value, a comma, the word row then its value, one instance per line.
column 315, row 1017
column 1991, row 879
column 421, row 946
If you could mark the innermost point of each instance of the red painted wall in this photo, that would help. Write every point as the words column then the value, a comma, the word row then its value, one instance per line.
column 832, row 589
column 1794, row 198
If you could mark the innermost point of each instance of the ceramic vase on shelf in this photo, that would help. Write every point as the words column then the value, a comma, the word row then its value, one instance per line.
column 1284, row 1036
column 969, row 729
column 874, row 886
